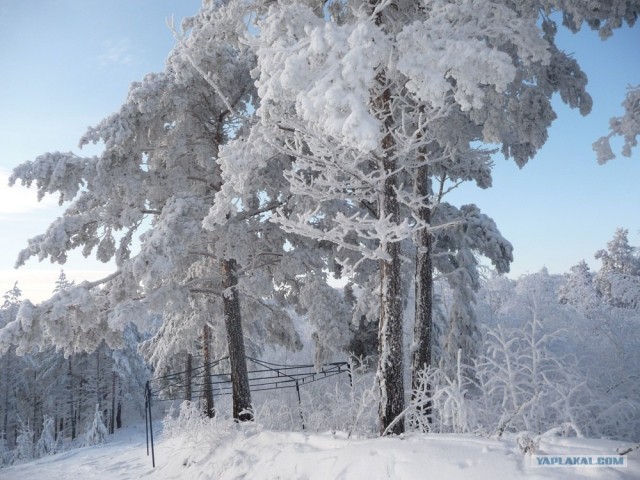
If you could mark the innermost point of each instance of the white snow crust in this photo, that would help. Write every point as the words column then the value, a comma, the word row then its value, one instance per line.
column 225, row 451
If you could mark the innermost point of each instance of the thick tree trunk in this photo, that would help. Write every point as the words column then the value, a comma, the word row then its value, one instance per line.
column 239, row 377
column 208, row 388
column 390, row 344
column 421, row 354
column 390, row 363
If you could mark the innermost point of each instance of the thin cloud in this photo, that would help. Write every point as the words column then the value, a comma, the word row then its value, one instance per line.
column 117, row 52
column 19, row 200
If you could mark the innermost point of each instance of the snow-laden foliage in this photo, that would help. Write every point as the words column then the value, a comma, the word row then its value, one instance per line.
column 541, row 364
column 147, row 203
column 318, row 83
column 341, row 403
column 57, row 395
column 442, row 403
column 286, row 140
column 47, row 443
column 329, row 317
column 97, row 433
column 24, row 444
column 618, row 281
column 553, row 358
column 384, row 107
column 626, row 126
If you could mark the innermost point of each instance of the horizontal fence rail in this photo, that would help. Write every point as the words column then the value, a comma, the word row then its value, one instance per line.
column 264, row 376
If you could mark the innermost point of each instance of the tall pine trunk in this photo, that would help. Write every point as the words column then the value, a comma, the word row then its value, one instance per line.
column 390, row 368
column 421, row 354
column 98, row 402
column 239, row 377
column 390, row 363
column 112, row 422
column 208, row 387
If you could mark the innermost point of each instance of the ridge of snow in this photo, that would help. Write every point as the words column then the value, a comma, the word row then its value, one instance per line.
column 223, row 450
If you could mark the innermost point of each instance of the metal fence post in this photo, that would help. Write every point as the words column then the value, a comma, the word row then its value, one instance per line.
column 149, row 425
column 146, row 414
column 300, row 404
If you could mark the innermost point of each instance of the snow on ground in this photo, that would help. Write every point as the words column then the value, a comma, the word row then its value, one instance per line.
column 246, row 451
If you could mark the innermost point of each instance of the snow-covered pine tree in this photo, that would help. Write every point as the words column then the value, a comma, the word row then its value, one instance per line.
column 24, row 443
column 47, row 443
column 10, row 365
column 606, row 307
column 97, row 432
column 618, row 280
column 333, row 103
column 160, row 174
column 442, row 76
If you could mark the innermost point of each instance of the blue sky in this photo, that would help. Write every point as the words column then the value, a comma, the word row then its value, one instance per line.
column 562, row 206
column 66, row 64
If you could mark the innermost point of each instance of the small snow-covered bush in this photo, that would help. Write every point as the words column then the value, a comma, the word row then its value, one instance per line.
column 442, row 403
column 332, row 404
column 47, row 444
column 189, row 418
column 348, row 405
column 24, row 444
column 97, row 433
column 5, row 453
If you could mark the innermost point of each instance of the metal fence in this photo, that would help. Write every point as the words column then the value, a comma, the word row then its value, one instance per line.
column 263, row 376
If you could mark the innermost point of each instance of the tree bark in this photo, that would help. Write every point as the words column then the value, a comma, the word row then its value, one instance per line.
column 112, row 422
column 241, row 393
column 390, row 363
column 98, row 402
column 208, row 388
column 421, row 354
column 119, row 414
column 390, row 344
column 35, row 408
column 6, row 383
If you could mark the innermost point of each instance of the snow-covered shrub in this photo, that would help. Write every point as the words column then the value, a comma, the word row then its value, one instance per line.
column 189, row 418
column 442, row 403
column 525, row 384
column 5, row 453
column 47, row 444
column 338, row 403
column 97, row 433
column 24, row 444
column 343, row 405
column 334, row 404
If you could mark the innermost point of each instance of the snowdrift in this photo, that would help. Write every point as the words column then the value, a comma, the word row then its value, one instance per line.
column 227, row 451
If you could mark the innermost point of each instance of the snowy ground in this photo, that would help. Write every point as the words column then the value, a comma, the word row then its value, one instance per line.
column 236, row 452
